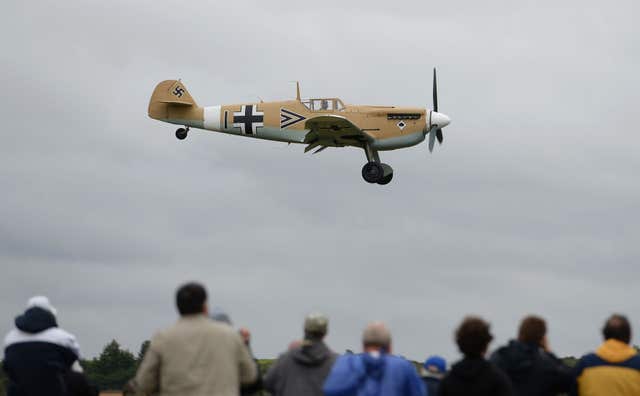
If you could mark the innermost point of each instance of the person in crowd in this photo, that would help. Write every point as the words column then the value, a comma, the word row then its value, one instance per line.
column 614, row 368
column 295, row 344
column 78, row 385
column 220, row 315
column 375, row 371
column 432, row 372
column 474, row 375
column 38, row 355
column 303, row 369
column 529, row 363
column 194, row 356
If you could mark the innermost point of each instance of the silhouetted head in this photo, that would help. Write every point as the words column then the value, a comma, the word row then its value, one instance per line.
column 532, row 330
column 473, row 336
column 617, row 327
column 376, row 336
column 191, row 299
column 316, row 326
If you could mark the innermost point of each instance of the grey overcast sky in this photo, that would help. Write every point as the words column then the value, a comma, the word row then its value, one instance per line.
column 530, row 206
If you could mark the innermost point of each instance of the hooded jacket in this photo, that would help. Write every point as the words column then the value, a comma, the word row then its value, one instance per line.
column 532, row 371
column 38, row 354
column 301, row 371
column 369, row 374
column 613, row 370
column 475, row 377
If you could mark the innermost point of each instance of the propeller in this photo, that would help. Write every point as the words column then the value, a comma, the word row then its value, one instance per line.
column 437, row 120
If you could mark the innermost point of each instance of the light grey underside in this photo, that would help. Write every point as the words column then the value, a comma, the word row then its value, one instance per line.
column 298, row 136
column 398, row 141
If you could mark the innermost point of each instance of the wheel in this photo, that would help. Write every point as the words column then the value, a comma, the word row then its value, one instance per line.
column 386, row 179
column 181, row 133
column 372, row 172
column 388, row 174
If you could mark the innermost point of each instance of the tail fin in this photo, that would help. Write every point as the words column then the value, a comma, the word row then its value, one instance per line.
column 169, row 93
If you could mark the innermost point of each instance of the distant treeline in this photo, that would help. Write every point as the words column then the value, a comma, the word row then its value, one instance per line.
column 115, row 366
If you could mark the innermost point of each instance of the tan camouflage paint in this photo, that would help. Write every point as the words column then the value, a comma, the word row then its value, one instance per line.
column 171, row 100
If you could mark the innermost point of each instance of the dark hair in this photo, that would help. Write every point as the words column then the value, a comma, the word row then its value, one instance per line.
column 617, row 327
column 532, row 330
column 190, row 298
column 473, row 336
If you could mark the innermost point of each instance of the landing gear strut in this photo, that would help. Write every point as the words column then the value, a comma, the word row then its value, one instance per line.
column 375, row 171
column 181, row 133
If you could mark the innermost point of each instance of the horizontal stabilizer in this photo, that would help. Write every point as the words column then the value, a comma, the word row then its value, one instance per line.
column 177, row 102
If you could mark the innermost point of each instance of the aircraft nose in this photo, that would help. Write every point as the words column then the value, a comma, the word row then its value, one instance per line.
column 439, row 119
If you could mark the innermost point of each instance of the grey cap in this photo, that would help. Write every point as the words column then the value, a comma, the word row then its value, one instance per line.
column 316, row 323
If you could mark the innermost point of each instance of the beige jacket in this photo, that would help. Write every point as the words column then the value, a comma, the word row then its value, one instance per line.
column 195, row 357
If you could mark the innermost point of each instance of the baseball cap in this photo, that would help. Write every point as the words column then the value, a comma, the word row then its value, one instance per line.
column 436, row 363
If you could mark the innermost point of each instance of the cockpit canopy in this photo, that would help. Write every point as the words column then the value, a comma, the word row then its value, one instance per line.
column 326, row 104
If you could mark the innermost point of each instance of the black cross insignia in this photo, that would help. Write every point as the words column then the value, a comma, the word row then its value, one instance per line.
column 247, row 121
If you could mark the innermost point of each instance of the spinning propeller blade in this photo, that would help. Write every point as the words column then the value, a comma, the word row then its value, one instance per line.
column 437, row 120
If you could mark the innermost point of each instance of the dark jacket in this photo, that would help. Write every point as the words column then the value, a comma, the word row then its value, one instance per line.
column 301, row 371
column 432, row 384
column 38, row 354
column 78, row 385
column 475, row 377
column 532, row 371
column 256, row 386
column 365, row 374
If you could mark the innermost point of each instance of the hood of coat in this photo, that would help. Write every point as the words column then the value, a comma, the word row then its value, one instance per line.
column 468, row 369
column 312, row 354
column 374, row 363
column 519, row 358
column 35, row 320
column 615, row 351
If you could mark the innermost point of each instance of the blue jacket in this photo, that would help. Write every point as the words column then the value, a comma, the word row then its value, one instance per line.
column 38, row 355
column 370, row 375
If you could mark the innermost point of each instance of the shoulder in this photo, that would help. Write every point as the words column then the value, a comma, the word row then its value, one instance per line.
column 283, row 358
column 12, row 337
column 586, row 361
column 348, row 360
column 499, row 375
column 498, row 353
column 402, row 364
column 54, row 335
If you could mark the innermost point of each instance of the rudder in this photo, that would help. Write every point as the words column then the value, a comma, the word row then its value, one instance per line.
column 169, row 93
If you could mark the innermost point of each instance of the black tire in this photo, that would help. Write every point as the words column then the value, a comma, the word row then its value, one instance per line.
column 386, row 179
column 372, row 172
column 388, row 174
column 181, row 133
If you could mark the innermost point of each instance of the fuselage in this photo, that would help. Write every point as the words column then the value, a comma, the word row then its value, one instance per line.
column 388, row 127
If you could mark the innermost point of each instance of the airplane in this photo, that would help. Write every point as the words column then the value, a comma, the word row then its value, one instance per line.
column 319, row 123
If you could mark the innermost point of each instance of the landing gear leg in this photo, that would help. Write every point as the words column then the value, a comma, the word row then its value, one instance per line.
column 181, row 133
column 375, row 171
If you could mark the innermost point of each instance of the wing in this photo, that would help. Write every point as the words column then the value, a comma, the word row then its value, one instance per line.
column 333, row 131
